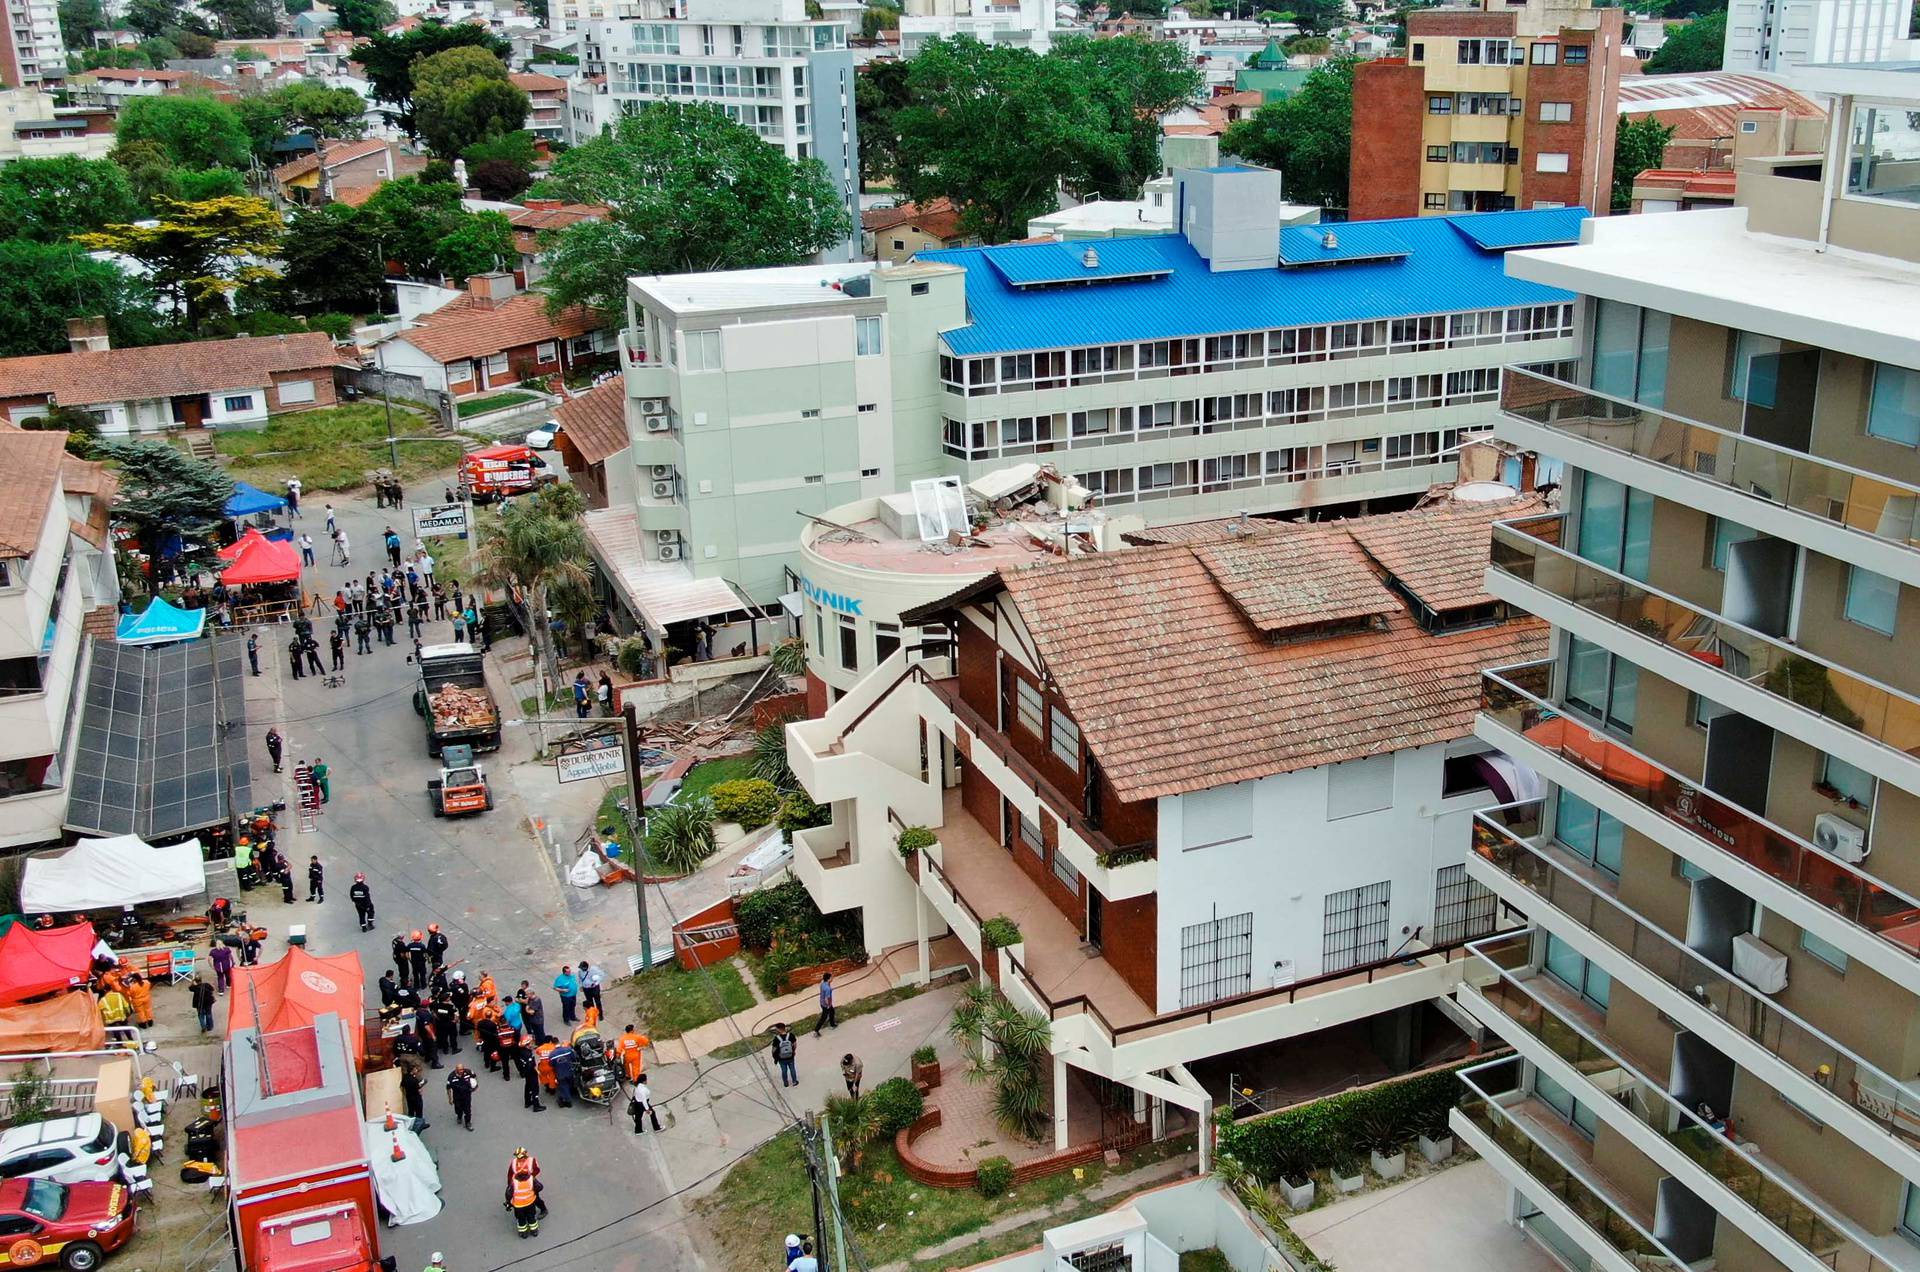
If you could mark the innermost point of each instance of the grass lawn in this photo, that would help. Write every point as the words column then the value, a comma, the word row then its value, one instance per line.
column 333, row 448
column 703, row 777
column 670, row 1001
column 495, row 402
column 610, row 815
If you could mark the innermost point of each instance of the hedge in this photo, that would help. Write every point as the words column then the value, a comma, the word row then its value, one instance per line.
column 899, row 1104
column 748, row 801
column 1334, row 1129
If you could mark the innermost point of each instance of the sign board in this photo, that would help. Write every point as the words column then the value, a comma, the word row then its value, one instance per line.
column 436, row 520
column 580, row 759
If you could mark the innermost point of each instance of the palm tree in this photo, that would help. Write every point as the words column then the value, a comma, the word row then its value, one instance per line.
column 537, row 553
column 680, row 835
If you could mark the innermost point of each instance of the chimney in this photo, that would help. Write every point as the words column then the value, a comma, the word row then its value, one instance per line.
column 87, row 335
column 490, row 290
column 542, row 205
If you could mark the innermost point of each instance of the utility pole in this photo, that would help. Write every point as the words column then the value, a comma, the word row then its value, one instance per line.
column 833, row 1195
column 809, row 1146
column 637, row 819
column 386, row 396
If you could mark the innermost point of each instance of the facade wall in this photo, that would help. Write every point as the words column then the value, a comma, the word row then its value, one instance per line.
column 1389, row 104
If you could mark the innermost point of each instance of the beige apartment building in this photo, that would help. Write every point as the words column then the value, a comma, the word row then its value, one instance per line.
column 1713, row 1011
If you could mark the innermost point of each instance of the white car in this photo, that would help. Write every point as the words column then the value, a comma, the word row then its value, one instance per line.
column 67, row 1150
column 542, row 438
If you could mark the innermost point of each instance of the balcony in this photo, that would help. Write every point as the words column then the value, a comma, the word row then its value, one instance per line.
column 1724, row 661
column 1477, row 176
column 1538, row 1152
column 1715, row 834
column 1877, row 512
column 1539, row 1015
column 1576, row 902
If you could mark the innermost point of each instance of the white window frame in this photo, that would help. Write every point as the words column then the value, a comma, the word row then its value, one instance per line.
column 1556, row 112
column 700, row 351
column 869, row 335
column 294, row 392
column 1551, row 161
column 546, row 351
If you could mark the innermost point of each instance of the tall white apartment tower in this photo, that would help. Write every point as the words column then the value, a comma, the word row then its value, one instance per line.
column 1770, row 35
column 31, row 52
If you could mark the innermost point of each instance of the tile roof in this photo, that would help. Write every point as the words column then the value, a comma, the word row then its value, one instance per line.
column 201, row 366
column 529, row 82
column 97, row 484
column 32, row 461
column 1208, row 529
column 938, row 219
column 596, row 421
column 557, row 218
column 1319, row 579
column 334, row 153
column 1704, row 105
column 461, row 330
column 1421, row 548
column 1176, row 691
column 1443, row 269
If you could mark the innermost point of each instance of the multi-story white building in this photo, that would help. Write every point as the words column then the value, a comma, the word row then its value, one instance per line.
column 32, row 54
column 1235, row 366
column 1771, row 35
column 1028, row 23
column 1716, row 1012
column 765, row 62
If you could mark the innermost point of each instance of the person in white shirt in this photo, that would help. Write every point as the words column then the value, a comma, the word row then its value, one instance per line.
column 806, row 1262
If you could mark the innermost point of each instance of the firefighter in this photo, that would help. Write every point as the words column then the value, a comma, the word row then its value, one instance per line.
column 529, row 1078
column 523, row 1196
column 401, row 966
column 446, row 1024
column 436, row 945
column 417, row 958
column 362, row 897
column 461, row 1084
column 462, row 995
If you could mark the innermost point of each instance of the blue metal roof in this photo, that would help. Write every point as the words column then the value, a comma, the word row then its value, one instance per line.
column 1545, row 227
column 1353, row 241
column 1220, row 168
column 1041, row 263
column 1444, row 270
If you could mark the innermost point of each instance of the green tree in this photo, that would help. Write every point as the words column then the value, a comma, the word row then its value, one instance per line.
column 499, row 179
column 1318, row 16
column 879, row 92
column 479, row 243
column 198, row 253
column 408, row 218
column 1639, row 144
column 111, row 59
column 242, row 19
column 1133, row 81
column 388, row 60
column 153, row 17
column 308, row 107
column 159, row 50
column 164, row 492
column 1698, row 46
column 328, row 261
column 690, row 191
column 514, row 147
column 196, row 185
column 365, row 17
column 877, row 19
column 463, row 96
column 47, row 200
column 79, row 19
column 195, row 130
column 536, row 552
column 44, row 284
column 1307, row 136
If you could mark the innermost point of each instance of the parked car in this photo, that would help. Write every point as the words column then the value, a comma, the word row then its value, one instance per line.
column 43, row 1223
column 542, row 438
column 67, row 1150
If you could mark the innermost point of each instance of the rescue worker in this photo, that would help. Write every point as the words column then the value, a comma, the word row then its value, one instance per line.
column 487, row 988
column 286, row 882
column 446, row 1024
column 631, row 1047
column 543, row 1061
column 316, row 880
column 429, row 1041
column 407, row 998
column 273, row 747
column 506, row 1048
column 436, row 944
column 113, row 1008
column 389, row 991
column 411, row 1098
column 486, row 1037
column 529, row 1079
column 402, row 968
column 408, row 1043
column 561, row 1061
column 461, row 1084
column 362, row 897
column 462, row 995
column 140, row 998
column 523, row 1196
column 417, row 957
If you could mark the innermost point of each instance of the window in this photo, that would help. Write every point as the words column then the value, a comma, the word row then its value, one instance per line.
column 1542, row 53
column 1852, row 783
column 869, row 340
column 920, row 289
column 1576, row 55
column 1436, row 154
column 820, row 628
column 1354, row 927
column 1550, row 161
column 1462, row 908
column 1893, row 411
column 1725, row 535
column 239, row 402
column 1588, row 833
column 1826, row 951
column 1030, row 835
column 866, row 408
column 810, row 413
column 1605, row 687
column 899, row 245
column 1419, row 52
column 700, row 350
column 1749, row 126
column 849, row 643
column 1064, row 871
column 1439, row 105
column 1616, row 526
column 1027, row 705
column 1755, row 379
column 1873, row 600
column 546, row 351
column 1216, row 960
column 1566, row 965
column 294, row 391
column 1561, row 1101
column 1556, row 112
column 1630, row 352
column 1436, row 201
column 1063, row 738
column 869, row 472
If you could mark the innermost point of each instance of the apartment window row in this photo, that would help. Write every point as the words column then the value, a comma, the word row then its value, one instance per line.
column 738, row 41
column 679, row 79
column 1474, row 104
column 1273, row 467
column 1488, row 53
column 1018, row 435
column 1155, row 359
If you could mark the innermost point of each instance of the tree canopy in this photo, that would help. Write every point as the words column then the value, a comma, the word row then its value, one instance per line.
column 48, row 200
column 463, row 96
column 242, row 19
column 1700, row 45
column 198, row 253
column 308, row 107
column 879, row 92
column 327, row 263
column 364, row 17
column 1638, row 144
column 166, row 492
column 44, row 284
column 690, row 190
column 388, row 61
column 194, row 130
column 1307, row 136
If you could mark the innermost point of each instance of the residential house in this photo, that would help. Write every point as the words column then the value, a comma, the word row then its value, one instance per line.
column 315, row 22
column 895, row 234
column 547, row 109
column 1025, row 23
column 315, row 178
column 594, row 444
column 109, row 86
column 590, row 108
column 531, row 218
column 32, row 53
column 492, row 338
column 159, row 387
column 33, row 127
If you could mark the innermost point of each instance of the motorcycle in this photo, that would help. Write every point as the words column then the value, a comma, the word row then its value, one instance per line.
column 594, row 1078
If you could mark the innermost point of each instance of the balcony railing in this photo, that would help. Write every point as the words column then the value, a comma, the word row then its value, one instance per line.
column 1831, row 492
column 1764, row 1187
column 1526, row 549
column 1833, row 884
column 1556, row 1172
column 1503, row 838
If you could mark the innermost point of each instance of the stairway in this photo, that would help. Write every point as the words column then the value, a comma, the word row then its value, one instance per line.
column 199, row 444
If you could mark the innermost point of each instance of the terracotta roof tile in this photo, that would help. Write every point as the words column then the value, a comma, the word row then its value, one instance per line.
column 1208, row 530
column 1432, row 551
column 528, row 82
column 555, row 218
column 202, row 366
column 460, row 330
column 32, row 461
column 596, row 421
column 1318, row 578
column 97, row 484
column 334, row 153
column 939, row 219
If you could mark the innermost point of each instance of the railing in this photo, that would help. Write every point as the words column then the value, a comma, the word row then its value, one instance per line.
column 1853, row 499
column 1525, row 549
column 1556, row 1175
column 1827, row 881
column 1711, row 1145
column 928, row 864
column 1501, row 838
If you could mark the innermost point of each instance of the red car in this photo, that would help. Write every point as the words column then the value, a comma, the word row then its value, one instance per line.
column 72, row 1225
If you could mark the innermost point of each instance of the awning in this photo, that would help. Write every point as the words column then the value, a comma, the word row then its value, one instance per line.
column 160, row 622
column 257, row 559
column 659, row 592
column 247, row 501
column 70, row 1022
column 105, row 874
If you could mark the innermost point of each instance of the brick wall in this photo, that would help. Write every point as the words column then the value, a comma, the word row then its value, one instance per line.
column 979, row 798
column 323, row 389
column 1420, row 25
column 937, row 1176
column 1389, row 107
column 816, row 696
column 1587, row 138
column 979, row 683
column 1129, row 940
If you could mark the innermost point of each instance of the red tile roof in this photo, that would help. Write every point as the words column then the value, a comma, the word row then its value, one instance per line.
column 334, row 153
column 596, row 421
column 938, row 219
column 1322, row 578
column 528, row 82
column 97, row 485
column 555, row 218
column 32, row 461
column 126, row 375
column 1704, row 105
column 461, row 330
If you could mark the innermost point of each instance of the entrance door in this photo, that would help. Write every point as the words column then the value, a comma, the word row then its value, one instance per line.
column 190, row 410
column 1096, row 907
column 1739, row 760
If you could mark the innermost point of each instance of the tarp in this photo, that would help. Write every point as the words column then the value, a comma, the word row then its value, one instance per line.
column 247, row 500
column 34, row 962
column 410, row 1187
column 254, row 558
column 70, row 1022
column 297, row 987
column 160, row 622
column 97, row 874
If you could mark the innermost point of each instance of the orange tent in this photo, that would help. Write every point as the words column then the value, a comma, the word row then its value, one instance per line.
column 296, row 988
column 70, row 1022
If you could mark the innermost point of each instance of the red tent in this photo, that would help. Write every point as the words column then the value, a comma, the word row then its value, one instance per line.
column 254, row 558
column 296, row 988
column 36, row 961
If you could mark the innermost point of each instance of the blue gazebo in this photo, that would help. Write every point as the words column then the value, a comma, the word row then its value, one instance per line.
column 249, row 501
column 160, row 623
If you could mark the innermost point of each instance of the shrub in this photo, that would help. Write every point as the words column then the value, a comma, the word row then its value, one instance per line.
column 636, row 659
column 749, row 801
column 924, row 1055
column 758, row 914
column 1336, row 1128
column 680, row 836
column 994, row 1176
column 1000, row 932
column 770, row 756
column 898, row 1103
column 912, row 839
column 797, row 812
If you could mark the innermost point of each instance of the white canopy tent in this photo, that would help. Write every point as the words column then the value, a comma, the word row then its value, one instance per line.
column 98, row 874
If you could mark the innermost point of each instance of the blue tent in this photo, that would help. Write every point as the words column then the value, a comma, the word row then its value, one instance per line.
column 159, row 623
column 249, row 500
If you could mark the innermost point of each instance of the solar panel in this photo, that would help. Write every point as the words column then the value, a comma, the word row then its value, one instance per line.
column 153, row 757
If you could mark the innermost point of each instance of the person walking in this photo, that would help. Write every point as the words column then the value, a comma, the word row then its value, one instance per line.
column 411, row 1097
column 293, row 495
column 828, row 1017
column 851, row 1071
column 392, row 541
column 332, row 525
column 590, row 985
column 316, row 880
column 806, row 1262
column 294, row 657
column 222, row 959
column 581, row 695
column 306, row 549
column 341, row 555
column 786, row 1053
column 605, row 694
column 436, row 945
column 253, row 651
column 362, row 897
column 322, row 778
column 202, row 996
column 640, row 1105
column 273, row 747
column 312, row 649
column 416, row 618
column 461, row 1084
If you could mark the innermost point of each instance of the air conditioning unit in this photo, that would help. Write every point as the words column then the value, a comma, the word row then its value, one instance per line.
column 1759, row 964
column 663, row 490
column 667, row 536
column 669, row 552
column 653, row 406
column 663, row 472
column 1834, row 834
column 656, row 423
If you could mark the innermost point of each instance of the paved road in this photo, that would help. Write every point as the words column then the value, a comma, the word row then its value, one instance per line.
column 487, row 883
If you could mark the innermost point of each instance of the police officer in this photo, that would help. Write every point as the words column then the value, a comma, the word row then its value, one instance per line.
column 446, row 1024
column 461, row 1084
column 436, row 944
column 362, row 897
column 417, row 958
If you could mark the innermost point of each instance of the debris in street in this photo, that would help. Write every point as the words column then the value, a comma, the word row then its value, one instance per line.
column 458, row 708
